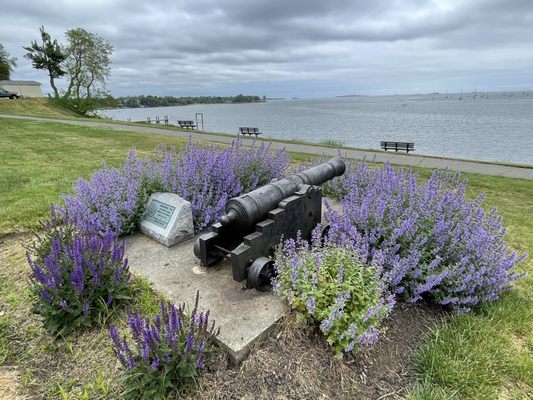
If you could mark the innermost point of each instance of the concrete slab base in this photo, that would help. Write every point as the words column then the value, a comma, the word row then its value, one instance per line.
column 244, row 316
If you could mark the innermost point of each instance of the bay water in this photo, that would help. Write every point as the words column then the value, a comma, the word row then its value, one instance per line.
column 488, row 126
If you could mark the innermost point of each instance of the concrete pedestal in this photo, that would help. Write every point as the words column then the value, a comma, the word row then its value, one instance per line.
column 244, row 316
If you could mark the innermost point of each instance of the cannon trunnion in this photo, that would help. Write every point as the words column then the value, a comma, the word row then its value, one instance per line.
column 256, row 222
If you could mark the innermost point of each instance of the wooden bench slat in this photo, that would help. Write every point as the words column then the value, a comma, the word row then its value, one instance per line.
column 186, row 124
column 404, row 146
column 243, row 130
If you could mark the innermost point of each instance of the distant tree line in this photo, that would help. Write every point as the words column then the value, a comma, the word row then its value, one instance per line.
column 163, row 101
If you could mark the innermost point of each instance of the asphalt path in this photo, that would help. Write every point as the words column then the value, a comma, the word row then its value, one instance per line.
column 378, row 156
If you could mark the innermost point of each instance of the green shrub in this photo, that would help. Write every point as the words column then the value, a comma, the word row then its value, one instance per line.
column 329, row 286
column 86, row 106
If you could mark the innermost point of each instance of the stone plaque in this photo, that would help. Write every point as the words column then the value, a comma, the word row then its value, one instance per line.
column 159, row 213
column 168, row 219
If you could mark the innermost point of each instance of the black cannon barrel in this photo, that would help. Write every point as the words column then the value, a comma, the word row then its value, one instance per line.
column 244, row 211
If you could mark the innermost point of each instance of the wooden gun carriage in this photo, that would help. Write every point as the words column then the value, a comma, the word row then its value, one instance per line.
column 255, row 222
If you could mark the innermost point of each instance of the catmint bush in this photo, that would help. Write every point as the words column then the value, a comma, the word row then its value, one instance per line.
column 202, row 175
column 333, row 289
column 434, row 242
column 163, row 354
column 76, row 277
column 258, row 165
column 206, row 176
column 114, row 198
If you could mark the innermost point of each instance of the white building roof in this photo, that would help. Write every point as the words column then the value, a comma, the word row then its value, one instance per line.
column 20, row 83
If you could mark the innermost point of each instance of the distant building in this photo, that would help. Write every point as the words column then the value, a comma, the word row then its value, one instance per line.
column 24, row 88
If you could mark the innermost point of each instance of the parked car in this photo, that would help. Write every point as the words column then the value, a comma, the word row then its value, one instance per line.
column 11, row 95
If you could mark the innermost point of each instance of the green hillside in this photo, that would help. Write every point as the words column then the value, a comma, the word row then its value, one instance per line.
column 41, row 107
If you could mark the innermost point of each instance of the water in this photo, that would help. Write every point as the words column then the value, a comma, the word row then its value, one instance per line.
column 493, row 127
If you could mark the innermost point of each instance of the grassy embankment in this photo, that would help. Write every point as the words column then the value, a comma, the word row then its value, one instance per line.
column 483, row 355
column 37, row 107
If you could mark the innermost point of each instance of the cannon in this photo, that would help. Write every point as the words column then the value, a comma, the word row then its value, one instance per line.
column 255, row 222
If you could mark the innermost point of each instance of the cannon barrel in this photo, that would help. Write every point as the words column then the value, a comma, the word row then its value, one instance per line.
column 244, row 211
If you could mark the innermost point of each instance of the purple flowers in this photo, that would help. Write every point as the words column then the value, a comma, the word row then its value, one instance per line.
column 171, row 348
column 395, row 236
column 110, row 200
column 333, row 289
column 73, row 274
column 427, row 238
column 207, row 176
column 311, row 305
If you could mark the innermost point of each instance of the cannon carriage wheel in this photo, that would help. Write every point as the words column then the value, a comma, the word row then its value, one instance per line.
column 260, row 274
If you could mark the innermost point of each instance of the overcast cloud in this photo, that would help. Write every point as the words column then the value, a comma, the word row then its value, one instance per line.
column 290, row 48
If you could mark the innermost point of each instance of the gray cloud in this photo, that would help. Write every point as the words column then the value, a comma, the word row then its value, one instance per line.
column 292, row 47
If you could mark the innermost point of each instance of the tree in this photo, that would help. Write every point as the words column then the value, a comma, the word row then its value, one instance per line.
column 88, row 63
column 47, row 56
column 7, row 64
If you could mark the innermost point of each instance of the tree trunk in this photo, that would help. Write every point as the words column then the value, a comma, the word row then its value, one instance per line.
column 89, row 85
column 52, row 83
column 69, row 89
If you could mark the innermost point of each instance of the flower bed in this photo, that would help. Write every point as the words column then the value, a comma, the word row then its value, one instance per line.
column 431, row 240
column 206, row 176
column 393, row 237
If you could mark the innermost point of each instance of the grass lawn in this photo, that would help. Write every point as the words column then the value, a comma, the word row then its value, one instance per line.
column 39, row 107
column 39, row 161
column 487, row 354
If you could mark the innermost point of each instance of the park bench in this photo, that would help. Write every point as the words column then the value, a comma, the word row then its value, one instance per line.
column 187, row 124
column 403, row 146
column 249, row 131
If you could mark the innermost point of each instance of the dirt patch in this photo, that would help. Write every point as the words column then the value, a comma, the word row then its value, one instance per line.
column 7, row 237
column 296, row 363
column 10, row 384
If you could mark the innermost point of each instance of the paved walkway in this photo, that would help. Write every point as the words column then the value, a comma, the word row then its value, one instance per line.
column 393, row 158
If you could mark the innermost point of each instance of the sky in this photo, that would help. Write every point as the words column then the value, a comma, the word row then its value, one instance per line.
column 290, row 48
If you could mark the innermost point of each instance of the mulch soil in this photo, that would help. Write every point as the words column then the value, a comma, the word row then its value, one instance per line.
column 296, row 363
